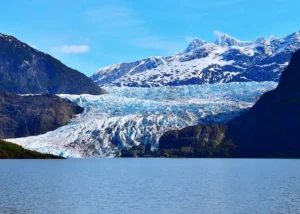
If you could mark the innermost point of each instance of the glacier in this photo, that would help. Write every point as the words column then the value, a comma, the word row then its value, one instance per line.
column 128, row 116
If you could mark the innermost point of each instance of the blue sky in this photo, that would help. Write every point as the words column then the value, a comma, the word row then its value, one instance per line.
column 90, row 34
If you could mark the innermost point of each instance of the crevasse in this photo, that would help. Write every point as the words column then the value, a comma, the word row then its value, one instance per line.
column 129, row 116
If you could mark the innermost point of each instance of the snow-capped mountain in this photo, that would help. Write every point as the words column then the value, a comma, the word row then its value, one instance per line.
column 195, row 44
column 228, row 41
column 225, row 60
column 124, row 117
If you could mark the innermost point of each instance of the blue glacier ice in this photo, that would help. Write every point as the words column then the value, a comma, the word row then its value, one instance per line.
column 125, row 117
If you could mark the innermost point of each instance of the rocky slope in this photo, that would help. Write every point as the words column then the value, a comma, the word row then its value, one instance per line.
column 271, row 127
column 25, row 70
column 204, row 141
column 22, row 116
column 14, row 151
column 225, row 60
column 268, row 130
column 205, row 136
column 127, row 117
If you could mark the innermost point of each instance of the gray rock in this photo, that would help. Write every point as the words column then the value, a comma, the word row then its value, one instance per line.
column 22, row 116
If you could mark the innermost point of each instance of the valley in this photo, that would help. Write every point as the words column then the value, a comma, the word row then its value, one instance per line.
column 136, row 103
column 126, row 117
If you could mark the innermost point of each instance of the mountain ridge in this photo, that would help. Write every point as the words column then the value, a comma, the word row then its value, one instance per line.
column 26, row 70
column 270, row 127
column 226, row 60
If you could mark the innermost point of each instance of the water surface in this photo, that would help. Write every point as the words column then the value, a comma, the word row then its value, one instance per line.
column 150, row 186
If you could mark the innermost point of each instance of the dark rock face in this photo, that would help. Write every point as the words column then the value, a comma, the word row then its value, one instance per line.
column 22, row 116
column 271, row 127
column 138, row 151
column 190, row 142
column 202, row 136
column 194, row 141
column 25, row 70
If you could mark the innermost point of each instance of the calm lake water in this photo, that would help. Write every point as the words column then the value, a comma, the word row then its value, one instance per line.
column 150, row 186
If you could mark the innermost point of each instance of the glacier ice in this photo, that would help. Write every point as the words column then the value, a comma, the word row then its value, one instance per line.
column 129, row 116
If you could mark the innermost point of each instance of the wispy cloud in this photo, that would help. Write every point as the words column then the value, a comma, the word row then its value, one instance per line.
column 117, row 19
column 218, row 33
column 70, row 49
column 33, row 46
column 113, row 17
column 189, row 38
column 158, row 43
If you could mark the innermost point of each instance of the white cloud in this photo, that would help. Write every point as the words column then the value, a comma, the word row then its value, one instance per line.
column 189, row 38
column 218, row 33
column 72, row 48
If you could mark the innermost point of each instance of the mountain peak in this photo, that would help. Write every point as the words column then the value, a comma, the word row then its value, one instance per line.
column 195, row 44
column 293, row 36
column 25, row 70
column 260, row 41
column 271, row 38
column 225, row 40
column 289, row 80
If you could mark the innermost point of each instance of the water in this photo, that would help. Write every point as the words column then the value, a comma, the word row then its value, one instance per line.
column 150, row 186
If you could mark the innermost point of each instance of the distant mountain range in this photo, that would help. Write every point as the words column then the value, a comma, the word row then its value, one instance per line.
column 225, row 60
column 25, row 70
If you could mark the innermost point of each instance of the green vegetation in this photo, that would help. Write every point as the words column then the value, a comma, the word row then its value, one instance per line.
column 14, row 151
